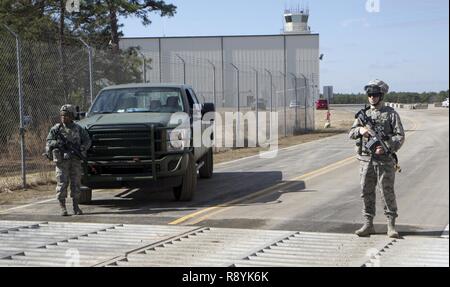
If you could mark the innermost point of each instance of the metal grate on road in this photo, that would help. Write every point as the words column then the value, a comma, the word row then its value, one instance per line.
column 413, row 252
column 205, row 247
column 76, row 244
column 6, row 225
column 24, row 243
column 18, row 239
column 316, row 249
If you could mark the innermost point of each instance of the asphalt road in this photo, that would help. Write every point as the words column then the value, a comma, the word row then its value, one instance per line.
column 309, row 187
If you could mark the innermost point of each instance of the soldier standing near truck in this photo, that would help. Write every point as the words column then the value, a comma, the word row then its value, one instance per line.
column 67, row 144
column 376, row 154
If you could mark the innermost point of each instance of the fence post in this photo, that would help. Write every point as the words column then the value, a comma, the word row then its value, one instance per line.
column 313, row 98
column 256, row 104
column 214, row 93
column 184, row 68
column 271, row 89
column 214, row 81
column 21, row 116
column 238, row 105
column 306, row 98
column 285, row 103
column 296, row 102
column 271, row 98
column 91, row 76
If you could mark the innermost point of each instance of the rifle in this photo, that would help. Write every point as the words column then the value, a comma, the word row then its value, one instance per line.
column 66, row 146
column 69, row 147
column 377, row 137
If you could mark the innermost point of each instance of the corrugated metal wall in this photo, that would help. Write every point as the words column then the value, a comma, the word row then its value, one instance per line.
column 269, row 68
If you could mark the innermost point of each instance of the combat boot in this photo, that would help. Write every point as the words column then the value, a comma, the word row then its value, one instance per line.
column 62, row 204
column 367, row 228
column 391, row 232
column 76, row 208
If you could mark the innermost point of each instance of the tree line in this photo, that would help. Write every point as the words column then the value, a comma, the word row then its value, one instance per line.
column 393, row 97
column 96, row 20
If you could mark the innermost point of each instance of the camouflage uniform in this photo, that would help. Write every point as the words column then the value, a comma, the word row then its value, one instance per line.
column 379, row 169
column 68, row 166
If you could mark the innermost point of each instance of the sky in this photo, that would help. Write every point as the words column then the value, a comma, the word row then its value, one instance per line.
column 403, row 42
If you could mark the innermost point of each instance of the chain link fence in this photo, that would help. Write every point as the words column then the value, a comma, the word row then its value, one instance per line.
column 37, row 78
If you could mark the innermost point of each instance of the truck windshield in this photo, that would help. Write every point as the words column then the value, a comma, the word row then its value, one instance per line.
column 138, row 100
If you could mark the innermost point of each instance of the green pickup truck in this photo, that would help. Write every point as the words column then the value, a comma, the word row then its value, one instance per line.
column 138, row 141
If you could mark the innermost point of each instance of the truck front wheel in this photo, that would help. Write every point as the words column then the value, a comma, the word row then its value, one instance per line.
column 185, row 192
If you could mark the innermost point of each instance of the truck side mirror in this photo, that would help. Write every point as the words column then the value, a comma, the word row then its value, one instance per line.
column 208, row 107
column 79, row 115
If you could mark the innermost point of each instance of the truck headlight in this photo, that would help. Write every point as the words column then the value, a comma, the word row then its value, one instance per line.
column 178, row 139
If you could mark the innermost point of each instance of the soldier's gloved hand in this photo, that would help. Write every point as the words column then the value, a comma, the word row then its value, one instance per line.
column 379, row 150
column 364, row 132
column 66, row 156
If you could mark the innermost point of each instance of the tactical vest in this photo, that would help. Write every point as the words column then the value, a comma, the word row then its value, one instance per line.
column 383, row 119
column 72, row 134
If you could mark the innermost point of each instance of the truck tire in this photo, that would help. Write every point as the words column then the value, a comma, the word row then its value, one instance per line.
column 206, row 171
column 185, row 192
column 85, row 195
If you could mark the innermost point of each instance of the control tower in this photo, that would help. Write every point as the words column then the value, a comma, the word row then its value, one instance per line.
column 296, row 21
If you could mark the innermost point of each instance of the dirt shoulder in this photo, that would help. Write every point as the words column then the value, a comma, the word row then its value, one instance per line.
column 20, row 196
column 340, row 119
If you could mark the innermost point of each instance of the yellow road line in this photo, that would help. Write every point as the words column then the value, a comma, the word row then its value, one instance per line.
column 184, row 218
column 226, row 205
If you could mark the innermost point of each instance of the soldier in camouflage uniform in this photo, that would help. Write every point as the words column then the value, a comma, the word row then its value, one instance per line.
column 378, row 169
column 68, row 165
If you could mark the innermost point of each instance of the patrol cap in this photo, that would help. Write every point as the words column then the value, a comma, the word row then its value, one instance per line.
column 67, row 110
column 376, row 87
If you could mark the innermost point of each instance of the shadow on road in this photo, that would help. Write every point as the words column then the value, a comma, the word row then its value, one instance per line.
column 221, row 189
column 411, row 230
column 432, row 233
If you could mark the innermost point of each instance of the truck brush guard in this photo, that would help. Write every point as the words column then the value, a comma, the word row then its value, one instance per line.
column 128, row 152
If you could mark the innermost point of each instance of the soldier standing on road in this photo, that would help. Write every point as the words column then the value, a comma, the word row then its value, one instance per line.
column 378, row 169
column 68, row 165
